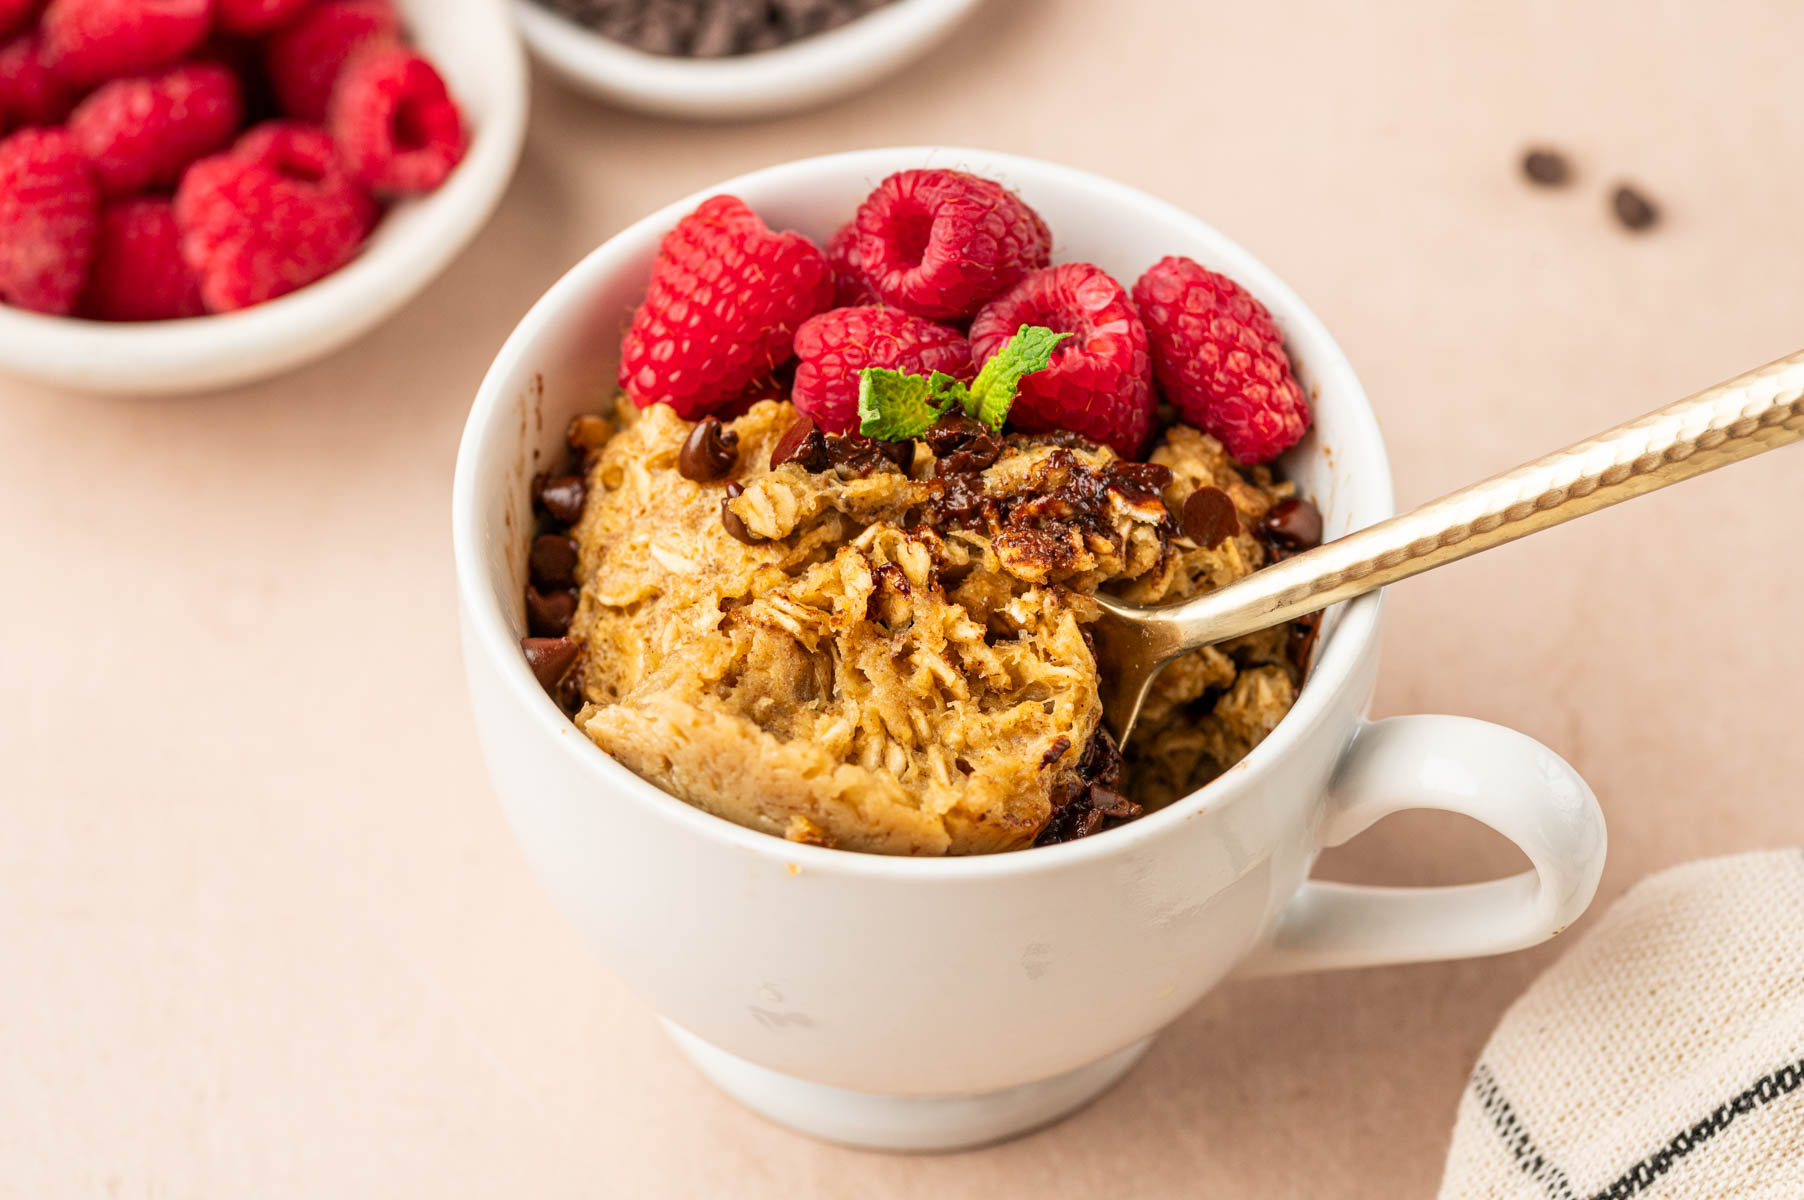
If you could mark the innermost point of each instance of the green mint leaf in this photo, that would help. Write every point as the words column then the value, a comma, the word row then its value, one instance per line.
column 894, row 407
column 992, row 393
column 948, row 391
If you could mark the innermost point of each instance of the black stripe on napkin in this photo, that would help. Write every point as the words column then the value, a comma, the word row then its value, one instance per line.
column 1774, row 1085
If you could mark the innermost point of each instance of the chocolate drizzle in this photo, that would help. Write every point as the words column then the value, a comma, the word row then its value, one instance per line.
column 851, row 454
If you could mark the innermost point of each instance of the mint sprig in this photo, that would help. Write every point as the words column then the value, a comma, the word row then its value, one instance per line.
column 894, row 406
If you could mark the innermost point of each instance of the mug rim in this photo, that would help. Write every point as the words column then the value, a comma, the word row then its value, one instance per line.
column 489, row 631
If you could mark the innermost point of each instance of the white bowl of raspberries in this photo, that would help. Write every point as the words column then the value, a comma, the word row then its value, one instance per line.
column 198, row 193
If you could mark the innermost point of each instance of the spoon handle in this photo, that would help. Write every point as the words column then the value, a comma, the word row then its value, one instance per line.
column 1734, row 420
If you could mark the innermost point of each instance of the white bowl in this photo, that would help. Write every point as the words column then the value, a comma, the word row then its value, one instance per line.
column 804, row 73
column 475, row 46
column 934, row 1003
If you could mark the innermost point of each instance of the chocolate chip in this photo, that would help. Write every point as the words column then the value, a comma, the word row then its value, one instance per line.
column 709, row 452
column 1111, row 803
column 1301, row 642
column 731, row 520
column 548, row 614
column 1546, row 167
column 549, row 658
column 1293, row 525
column 561, row 497
column 961, row 443
column 553, row 561
column 1209, row 517
column 900, row 453
column 803, row 444
column 1632, row 209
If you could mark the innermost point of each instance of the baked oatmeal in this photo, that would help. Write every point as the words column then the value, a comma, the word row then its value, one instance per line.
column 847, row 602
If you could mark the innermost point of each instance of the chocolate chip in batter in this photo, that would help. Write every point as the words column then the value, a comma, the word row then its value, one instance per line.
column 803, row 444
column 548, row 614
column 961, row 443
column 1300, row 645
column 1111, row 803
column 1548, row 168
column 549, row 658
column 553, row 561
column 1209, row 517
column 731, row 520
column 1633, row 210
column 1293, row 525
column 709, row 452
column 561, row 496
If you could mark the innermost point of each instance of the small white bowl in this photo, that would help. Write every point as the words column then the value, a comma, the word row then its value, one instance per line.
column 475, row 46
column 802, row 74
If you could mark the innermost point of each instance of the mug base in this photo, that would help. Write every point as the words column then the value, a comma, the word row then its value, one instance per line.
column 907, row 1124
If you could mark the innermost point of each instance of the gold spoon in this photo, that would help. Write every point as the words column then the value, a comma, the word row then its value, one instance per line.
column 1731, row 421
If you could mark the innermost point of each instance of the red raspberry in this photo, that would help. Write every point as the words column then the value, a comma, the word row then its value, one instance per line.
column 88, row 41
column 1099, row 383
column 138, row 273
column 725, row 300
column 304, row 59
column 140, row 133
column 1220, row 361
column 272, row 214
column 834, row 345
column 252, row 18
column 49, row 218
column 14, row 13
column 397, row 127
column 940, row 243
column 30, row 92
column 850, row 287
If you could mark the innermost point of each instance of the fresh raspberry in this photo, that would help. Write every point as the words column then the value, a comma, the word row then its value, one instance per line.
column 304, row 59
column 140, row 133
column 252, row 18
column 1220, row 361
column 834, row 346
column 396, row 125
column 1099, row 383
column 272, row 214
column 939, row 243
column 30, row 92
column 49, row 218
column 850, row 287
column 138, row 272
column 725, row 299
column 15, row 13
column 88, row 41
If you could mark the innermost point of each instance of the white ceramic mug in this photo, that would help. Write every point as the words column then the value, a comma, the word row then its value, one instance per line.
column 936, row 1003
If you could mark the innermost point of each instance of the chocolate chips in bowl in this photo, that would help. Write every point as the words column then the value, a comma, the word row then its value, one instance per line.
column 711, row 28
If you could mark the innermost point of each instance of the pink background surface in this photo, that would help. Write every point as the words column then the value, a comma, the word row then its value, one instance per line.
column 263, row 931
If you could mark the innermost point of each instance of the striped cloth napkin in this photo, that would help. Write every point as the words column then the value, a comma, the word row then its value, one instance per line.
column 1662, row 1056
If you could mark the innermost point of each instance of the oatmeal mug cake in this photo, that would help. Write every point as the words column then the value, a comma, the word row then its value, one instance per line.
column 825, row 566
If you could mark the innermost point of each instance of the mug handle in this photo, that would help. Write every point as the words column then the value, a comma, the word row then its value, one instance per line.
column 1495, row 775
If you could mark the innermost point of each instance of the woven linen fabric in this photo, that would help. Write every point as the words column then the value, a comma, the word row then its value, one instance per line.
column 1662, row 1056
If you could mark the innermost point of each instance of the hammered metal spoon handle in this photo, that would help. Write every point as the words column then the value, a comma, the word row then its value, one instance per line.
column 1731, row 421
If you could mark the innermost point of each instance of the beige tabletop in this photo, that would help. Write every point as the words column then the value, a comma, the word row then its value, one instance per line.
column 264, row 933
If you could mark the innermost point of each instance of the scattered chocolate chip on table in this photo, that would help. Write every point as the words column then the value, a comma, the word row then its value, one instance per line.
column 1548, row 168
column 1634, row 210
